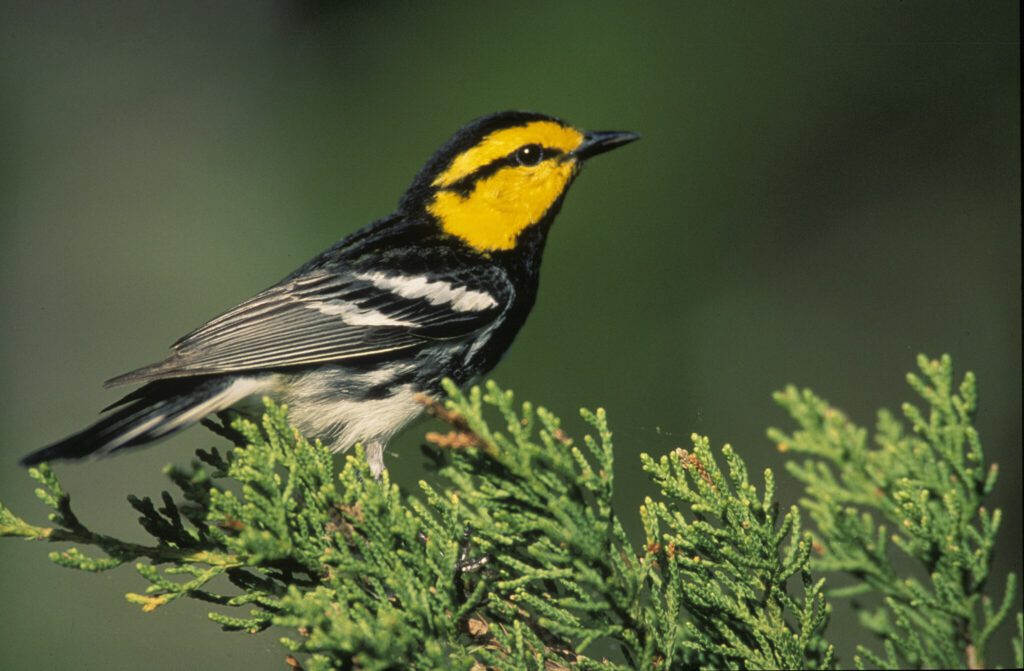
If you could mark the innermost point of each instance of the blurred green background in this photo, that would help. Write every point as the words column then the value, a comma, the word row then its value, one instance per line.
column 823, row 190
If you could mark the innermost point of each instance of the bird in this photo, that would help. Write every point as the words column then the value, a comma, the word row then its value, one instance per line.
column 352, row 338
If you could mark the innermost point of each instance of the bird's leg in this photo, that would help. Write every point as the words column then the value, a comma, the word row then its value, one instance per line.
column 375, row 457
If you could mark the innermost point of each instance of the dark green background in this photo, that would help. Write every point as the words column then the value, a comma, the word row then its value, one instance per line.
column 823, row 191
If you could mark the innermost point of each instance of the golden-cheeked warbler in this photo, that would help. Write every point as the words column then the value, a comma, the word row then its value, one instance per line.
column 438, row 289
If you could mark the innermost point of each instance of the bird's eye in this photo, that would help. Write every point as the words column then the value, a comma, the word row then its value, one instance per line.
column 530, row 154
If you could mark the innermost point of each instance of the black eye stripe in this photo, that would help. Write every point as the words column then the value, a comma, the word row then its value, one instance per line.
column 465, row 185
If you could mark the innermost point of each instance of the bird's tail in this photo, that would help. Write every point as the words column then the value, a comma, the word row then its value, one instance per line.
column 150, row 413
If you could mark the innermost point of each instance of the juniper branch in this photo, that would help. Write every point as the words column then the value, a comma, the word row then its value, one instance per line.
column 513, row 556
column 920, row 494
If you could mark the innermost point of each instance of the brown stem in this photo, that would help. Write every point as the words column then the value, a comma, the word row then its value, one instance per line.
column 973, row 662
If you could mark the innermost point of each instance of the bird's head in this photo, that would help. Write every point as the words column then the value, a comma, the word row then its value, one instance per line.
column 503, row 173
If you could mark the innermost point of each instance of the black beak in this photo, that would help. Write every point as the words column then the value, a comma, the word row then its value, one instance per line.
column 601, row 141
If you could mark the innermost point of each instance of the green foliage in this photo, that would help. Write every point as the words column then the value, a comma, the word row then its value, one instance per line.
column 514, row 557
column 729, row 567
column 918, row 492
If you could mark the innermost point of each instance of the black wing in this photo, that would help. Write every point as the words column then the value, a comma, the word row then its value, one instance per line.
column 328, row 316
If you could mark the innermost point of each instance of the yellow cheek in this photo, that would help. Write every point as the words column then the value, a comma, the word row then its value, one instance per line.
column 501, row 206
